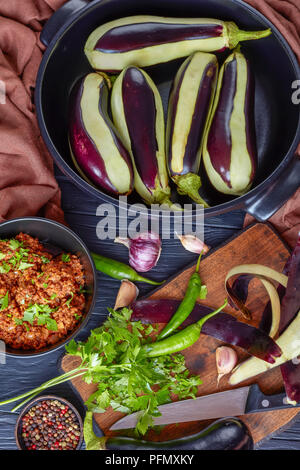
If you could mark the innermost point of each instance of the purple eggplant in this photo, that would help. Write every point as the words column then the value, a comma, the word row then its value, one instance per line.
column 138, row 115
column 229, row 152
column 223, row 326
column 148, row 40
column 190, row 102
column 290, row 306
column 96, row 148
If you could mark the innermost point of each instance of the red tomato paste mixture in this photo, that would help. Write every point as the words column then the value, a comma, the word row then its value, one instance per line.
column 41, row 296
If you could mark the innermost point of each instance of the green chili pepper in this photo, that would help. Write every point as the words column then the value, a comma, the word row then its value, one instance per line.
column 118, row 270
column 187, row 304
column 181, row 340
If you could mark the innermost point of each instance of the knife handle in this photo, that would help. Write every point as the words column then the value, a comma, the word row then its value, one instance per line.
column 258, row 401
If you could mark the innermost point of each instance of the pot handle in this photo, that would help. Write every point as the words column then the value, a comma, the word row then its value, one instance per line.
column 59, row 18
column 265, row 204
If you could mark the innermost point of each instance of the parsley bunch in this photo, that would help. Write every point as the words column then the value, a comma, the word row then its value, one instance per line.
column 128, row 380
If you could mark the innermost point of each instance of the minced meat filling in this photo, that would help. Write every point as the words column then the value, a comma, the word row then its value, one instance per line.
column 41, row 296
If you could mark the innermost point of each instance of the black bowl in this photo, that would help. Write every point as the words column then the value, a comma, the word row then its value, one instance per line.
column 18, row 428
column 58, row 238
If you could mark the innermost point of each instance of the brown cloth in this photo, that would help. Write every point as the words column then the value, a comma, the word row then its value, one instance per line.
column 285, row 15
column 27, row 183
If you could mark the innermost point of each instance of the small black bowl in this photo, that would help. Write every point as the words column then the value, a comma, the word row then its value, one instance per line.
column 18, row 428
column 58, row 238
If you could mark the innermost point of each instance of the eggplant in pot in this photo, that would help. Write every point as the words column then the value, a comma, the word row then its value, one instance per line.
column 96, row 148
column 138, row 115
column 146, row 40
column 189, row 106
column 230, row 150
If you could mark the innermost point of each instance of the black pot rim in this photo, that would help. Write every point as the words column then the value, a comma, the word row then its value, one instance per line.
column 29, row 405
column 237, row 203
column 29, row 354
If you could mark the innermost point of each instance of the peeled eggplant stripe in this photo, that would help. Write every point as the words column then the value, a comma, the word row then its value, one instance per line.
column 288, row 341
column 265, row 275
column 147, row 40
column 275, row 306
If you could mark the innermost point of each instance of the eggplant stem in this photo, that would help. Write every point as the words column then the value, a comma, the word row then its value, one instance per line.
column 235, row 35
column 189, row 185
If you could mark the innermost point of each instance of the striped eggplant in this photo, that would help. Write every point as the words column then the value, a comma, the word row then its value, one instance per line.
column 229, row 151
column 190, row 102
column 96, row 148
column 147, row 40
column 138, row 115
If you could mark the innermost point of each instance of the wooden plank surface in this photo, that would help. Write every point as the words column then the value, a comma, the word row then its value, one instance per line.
column 257, row 244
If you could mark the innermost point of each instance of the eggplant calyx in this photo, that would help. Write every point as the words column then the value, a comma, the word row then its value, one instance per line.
column 189, row 185
column 235, row 35
column 162, row 197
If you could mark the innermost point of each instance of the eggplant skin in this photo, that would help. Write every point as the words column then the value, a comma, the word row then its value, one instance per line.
column 146, row 40
column 190, row 102
column 229, row 151
column 96, row 148
column 138, row 116
column 223, row 434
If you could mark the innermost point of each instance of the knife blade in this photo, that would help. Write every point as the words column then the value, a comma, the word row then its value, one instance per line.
column 235, row 402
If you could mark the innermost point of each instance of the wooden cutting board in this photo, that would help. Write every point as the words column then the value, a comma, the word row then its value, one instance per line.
column 258, row 243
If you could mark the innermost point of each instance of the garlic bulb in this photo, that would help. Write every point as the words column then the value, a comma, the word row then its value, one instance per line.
column 144, row 250
column 226, row 359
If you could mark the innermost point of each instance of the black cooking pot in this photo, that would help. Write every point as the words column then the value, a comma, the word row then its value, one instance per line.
column 275, row 68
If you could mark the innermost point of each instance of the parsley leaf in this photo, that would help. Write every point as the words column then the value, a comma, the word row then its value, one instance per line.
column 4, row 302
column 14, row 244
column 24, row 265
column 42, row 314
column 69, row 300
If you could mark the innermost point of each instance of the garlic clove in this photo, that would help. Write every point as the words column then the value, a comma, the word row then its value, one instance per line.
column 193, row 244
column 127, row 294
column 226, row 360
column 123, row 241
column 144, row 250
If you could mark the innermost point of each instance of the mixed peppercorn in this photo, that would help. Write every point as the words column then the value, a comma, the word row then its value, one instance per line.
column 50, row 425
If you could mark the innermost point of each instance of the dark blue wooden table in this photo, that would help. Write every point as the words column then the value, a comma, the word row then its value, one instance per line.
column 18, row 376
